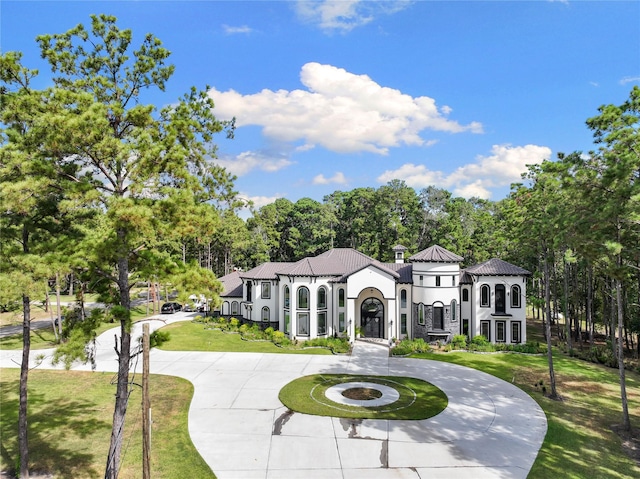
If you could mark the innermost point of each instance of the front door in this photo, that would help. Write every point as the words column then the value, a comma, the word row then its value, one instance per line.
column 372, row 318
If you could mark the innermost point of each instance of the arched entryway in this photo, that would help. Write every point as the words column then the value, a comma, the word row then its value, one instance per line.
column 372, row 318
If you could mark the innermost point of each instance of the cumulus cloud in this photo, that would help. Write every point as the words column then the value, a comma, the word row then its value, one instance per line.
column 249, row 161
column 502, row 167
column 338, row 178
column 345, row 15
column 229, row 30
column 260, row 201
column 340, row 111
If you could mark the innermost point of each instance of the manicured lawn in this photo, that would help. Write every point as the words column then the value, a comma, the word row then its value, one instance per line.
column 580, row 442
column 418, row 399
column 190, row 336
column 70, row 415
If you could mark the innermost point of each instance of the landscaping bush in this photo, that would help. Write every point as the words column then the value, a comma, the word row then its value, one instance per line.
column 234, row 322
column 158, row 337
column 459, row 341
column 479, row 340
column 278, row 337
column 407, row 346
column 528, row 348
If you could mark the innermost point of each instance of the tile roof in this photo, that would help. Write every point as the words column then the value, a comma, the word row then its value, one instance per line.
column 265, row 271
column 337, row 262
column 405, row 270
column 495, row 267
column 232, row 284
column 436, row 254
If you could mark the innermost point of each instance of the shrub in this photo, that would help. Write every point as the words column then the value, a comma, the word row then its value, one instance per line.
column 459, row 341
column 278, row 337
column 243, row 329
column 234, row 322
column 420, row 346
column 269, row 332
column 479, row 340
column 158, row 337
column 528, row 348
column 407, row 346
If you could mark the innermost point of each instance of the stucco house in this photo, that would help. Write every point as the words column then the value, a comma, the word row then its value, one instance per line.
column 342, row 291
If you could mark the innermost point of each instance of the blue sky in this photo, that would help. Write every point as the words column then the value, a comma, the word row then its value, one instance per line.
column 335, row 95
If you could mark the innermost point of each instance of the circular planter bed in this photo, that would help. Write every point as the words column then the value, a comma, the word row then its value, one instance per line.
column 363, row 397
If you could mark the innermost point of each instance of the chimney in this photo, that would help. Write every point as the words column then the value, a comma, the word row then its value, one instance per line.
column 398, row 253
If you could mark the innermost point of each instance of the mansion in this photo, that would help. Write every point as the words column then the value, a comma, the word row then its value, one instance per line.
column 343, row 292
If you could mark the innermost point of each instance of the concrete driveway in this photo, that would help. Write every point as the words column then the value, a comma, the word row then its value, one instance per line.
column 490, row 429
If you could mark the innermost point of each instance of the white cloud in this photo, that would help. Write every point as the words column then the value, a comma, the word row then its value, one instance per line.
column 338, row 178
column 341, row 111
column 503, row 167
column 345, row 15
column 257, row 202
column 260, row 201
column 248, row 161
column 626, row 80
column 229, row 30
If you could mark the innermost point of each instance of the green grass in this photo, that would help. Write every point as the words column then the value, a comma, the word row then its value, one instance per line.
column 70, row 415
column 191, row 336
column 579, row 442
column 418, row 399
column 45, row 339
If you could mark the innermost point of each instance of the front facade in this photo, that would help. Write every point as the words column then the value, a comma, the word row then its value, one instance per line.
column 343, row 292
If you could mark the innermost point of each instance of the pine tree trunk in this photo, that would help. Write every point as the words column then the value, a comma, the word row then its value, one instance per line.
column 23, row 439
column 547, row 300
column 567, row 316
column 124, row 356
column 626, row 422
column 59, row 312
column 590, row 303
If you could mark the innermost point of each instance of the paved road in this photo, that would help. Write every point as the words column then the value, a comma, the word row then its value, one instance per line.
column 490, row 429
column 13, row 330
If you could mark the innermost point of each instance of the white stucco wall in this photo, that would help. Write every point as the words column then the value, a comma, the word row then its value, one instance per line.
column 511, row 315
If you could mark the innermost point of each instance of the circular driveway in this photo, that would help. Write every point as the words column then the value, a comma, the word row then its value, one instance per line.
column 490, row 428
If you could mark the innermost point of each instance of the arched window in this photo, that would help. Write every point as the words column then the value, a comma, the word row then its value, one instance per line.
column 515, row 296
column 465, row 294
column 265, row 314
column 249, row 290
column 303, row 297
column 485, row 296
column 322, row 298
column 287, row 297
column 341, row 298
column 234, row 307
column 454, row 311
column 403, row 298
column 225, row 308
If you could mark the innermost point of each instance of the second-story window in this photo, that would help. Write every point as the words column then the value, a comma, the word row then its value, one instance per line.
column 266, row 290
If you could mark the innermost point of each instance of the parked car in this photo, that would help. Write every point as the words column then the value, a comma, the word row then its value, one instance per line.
column 189, row 308
column 170, row 308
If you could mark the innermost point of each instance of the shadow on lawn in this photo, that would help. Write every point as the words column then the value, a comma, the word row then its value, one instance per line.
column 46, row 453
